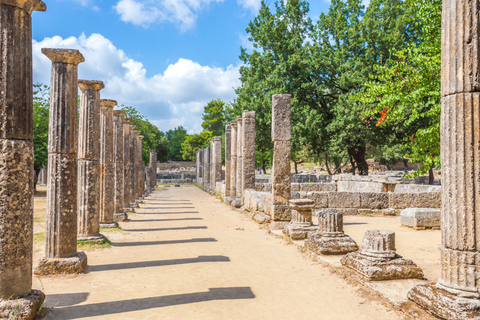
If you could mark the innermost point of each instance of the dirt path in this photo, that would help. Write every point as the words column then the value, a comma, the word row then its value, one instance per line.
column 186, row 255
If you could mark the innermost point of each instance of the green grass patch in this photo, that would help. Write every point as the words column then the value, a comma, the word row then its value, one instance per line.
column 39, row 238
column 39, row 219
column 92, row 245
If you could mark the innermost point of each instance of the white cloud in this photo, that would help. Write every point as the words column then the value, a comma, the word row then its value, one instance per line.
column 244, row 42
column 182, row 13
column 174, row 97
column 252, row 5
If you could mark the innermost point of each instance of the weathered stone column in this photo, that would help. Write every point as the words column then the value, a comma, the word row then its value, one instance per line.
column 89, row 162
column 281, row 135
column 134, row 158
column 107, row 164
column 228, row 157
column 132, row 147
column 44, row 176
column 233, row 164
column 301, row 225
column 239, row 165
column 16, row 160
column 248, row 146
column 118, row 155
column 61, row 221
column 206, row 169
column 127, row 197
column 199, row 158
column 140, row 168
column 151, row 171
column 456, row 294
column 216, row 162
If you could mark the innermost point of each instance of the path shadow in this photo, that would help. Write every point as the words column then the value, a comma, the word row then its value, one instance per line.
column 168, row 212
column 168, row 204
column 166, row 229
column 353, row 223
column 154, row 220
column 153, row 243
column 113, row 307
column 65, row 299
column 166, row 207
column 156, row 263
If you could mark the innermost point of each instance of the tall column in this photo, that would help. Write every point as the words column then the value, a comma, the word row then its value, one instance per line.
column 152, row 171
column 89, row 162
column 127, row 197
column 131, row 145
column 107, row 164
column 61, row 220
column 141, row 169
column 206, row 168
column 228, row 157
column 248, row 146
column 281, row 135
column 118, row 154
column 216, row 162
column 233, row 164
column 135, row 183
column 456, row 294
column 239, row 165
column 16, row 158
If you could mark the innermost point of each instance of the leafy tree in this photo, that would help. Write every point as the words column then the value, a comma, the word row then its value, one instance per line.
column 216, row 114
column 176, row 137
column 194, row 142
column 41, row 105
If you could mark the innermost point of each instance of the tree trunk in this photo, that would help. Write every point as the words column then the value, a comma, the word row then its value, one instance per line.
column 36, row 171
column 431, row 178
column 296, row 170
column 264, row 167
column 358, row 155
column 326, row 164
column 352, row 163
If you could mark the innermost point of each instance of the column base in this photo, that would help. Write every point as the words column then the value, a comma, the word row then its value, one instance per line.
column 278, row 225
column 330, row 245
column 237, row 203
column 72, row 265
column 109, row 225
column 298, row 232
column 134, row 204
column 24, row 307
column 443, row 304
column 373, row 269
column 128, row 209
column 98, row 238
column 120, row 216
column 229, row 200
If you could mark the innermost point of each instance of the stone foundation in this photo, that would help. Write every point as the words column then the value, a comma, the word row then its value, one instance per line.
column 121, row 216
column 420, row 218
column 24, row 307
column 330, row 245
column 98, row 238
column 52, row 266
column 109, row 225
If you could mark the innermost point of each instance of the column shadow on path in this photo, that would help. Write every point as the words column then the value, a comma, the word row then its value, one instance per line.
column 104, row 308
column 156, row 263
column 153, row 243
column 168, row 212
column 65, row 299
column 173, row 219
column 167, row 207
column 166, row 229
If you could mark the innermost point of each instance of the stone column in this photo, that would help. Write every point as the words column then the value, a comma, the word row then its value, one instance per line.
column 239, row 165
column 281, row 135
column 131, row 146
column 301, row 224
column 107, row 164
column 228, row 157
column 134, row 158
column 216, row 162
column 118, row 157
column 456, row 294
column 152, row 171
column 16, row 159
column 248, row 146
column 233, row 164
column 199, row 158
column 127, row 198
column 89, row 162
column 61, row 220
column 44, row 176
column 140, row 168
column 206, row 168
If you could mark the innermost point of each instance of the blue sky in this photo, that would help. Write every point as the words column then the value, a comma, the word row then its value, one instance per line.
column 167, row 58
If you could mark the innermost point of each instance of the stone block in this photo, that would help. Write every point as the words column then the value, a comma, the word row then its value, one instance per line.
column 415, row 200
column 281, row 172
column 360, row 186
column 71, row 265
column 418, row 218
column 344, row 200
column 23, row 307
column 320, row 199
column 377, row 200
column 281, row 114
column 330, row 245
column 281, row 212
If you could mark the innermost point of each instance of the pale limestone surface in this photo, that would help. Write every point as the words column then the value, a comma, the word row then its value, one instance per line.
column 248, row 150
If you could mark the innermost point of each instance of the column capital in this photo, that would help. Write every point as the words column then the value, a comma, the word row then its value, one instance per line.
column 90, row 85
column 141, row 137
column 239, row 120
column 132, row 127
column 248, row 114
column 228, row 127
column 119, row 113
column 233, row 124
column 217, row 138
column 127, row 120
column 69, row 56
column 108, row 103
column 137, row 132
column 27, row 5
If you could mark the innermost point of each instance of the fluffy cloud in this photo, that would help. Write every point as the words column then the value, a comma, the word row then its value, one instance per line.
column 144, row 12
column 252, row 5
column 175, row 97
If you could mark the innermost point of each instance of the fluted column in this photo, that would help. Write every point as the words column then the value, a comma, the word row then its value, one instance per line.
column 248, row 146
column 281, row 135
column 239, row 165
column 118, row 154
column 228, row 157
column 107, row 164
column 216, row 162
column 206, row 168
column 131, row 146
column 89, row 162
column 140, row 168
column 233, row 163
column 16, row 154
column 456, row 294
column 127, row 197
column 61, row 220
